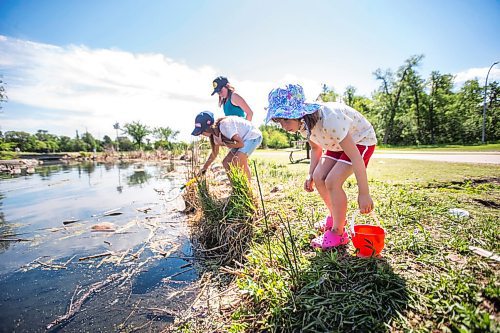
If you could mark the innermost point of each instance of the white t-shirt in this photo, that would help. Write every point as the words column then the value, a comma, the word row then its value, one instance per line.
column 232, row 125
column 335, row 121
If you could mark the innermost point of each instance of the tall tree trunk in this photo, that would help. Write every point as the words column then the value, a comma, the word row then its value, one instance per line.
column 389, row 96
column 431, row 112
column 392, row 115
column 417, row 111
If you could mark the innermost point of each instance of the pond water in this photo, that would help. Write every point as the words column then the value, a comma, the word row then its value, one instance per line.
column 136, row 275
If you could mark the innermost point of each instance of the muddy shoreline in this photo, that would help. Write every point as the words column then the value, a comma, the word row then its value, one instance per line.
column 26, row 163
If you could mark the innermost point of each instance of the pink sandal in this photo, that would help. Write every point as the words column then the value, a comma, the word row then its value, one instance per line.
column 329, row 240
column 325, row 224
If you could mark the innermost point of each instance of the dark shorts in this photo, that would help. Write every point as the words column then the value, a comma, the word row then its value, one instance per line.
column 365, row 151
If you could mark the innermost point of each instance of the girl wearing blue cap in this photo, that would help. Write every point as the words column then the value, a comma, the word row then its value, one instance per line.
column 234, row 132
column 232, row 103
column 348, row 140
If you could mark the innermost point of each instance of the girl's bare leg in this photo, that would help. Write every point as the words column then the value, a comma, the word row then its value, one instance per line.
column 239, row 159
column 322, row 170
column 338, row 198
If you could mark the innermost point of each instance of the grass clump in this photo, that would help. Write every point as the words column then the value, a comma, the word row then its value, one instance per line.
column 225, row 228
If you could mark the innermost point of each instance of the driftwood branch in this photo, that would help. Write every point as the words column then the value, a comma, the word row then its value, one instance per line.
column 75, row 306
column 96, row 256
column 50, row 265
column 179, row 273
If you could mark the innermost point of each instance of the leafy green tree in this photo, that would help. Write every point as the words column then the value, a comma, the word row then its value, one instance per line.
column 278, row 140
column 106, row 143
column 22, row 140
column 65, row 143
column 50, row 142
column 107, row 140
column 349, row 95
column 41, row 146
column 416, row 105
column 469, row 109
column 391, row 89
column 137, row 131
column 78, row 144
column 443, row 122
column 492, row 129
column 328, row 94
column 89, row 141
column 275, row 137
column 124, row 144
column 165, row 136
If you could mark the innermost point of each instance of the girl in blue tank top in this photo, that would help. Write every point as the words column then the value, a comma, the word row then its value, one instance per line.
column 232, row 103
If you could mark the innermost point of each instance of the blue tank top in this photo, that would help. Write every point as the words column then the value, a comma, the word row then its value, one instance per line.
column 232, row 110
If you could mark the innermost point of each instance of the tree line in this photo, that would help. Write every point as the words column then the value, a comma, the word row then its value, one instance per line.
column 133, row 137
column 408, row 109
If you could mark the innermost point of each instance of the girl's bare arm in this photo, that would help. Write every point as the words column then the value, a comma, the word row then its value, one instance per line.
column 239, row 101
column 364, row 199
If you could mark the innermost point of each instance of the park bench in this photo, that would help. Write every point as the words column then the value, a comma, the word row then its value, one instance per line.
column 299, row 146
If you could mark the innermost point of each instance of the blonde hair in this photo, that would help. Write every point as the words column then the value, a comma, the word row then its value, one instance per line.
column 230, row 90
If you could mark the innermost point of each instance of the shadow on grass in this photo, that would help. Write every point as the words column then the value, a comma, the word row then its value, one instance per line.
column 342, row 293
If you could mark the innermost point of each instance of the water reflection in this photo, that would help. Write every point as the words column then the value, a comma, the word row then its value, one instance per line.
column 35, row 206
column 149, row 230
column 119, row 188
column 5, row 229
column 138, row 177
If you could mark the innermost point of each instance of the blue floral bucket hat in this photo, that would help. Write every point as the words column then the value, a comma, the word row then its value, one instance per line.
column 289, row 103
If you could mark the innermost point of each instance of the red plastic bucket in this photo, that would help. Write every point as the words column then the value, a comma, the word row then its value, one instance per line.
column 367, row 239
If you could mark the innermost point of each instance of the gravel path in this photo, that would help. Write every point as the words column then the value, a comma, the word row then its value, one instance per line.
column 461, row 157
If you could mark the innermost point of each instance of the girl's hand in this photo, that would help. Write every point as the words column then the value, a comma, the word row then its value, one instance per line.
column 365, row 203
column 309, row 185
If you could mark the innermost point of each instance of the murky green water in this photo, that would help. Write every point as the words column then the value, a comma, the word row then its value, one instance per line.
column 46, row 237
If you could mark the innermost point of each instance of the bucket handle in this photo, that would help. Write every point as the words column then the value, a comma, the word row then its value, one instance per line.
column 353, row 218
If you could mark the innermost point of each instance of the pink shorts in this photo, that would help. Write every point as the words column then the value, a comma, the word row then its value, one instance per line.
column 365, row 151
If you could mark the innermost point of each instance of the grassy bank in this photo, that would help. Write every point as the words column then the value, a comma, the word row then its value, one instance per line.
column 427, row 280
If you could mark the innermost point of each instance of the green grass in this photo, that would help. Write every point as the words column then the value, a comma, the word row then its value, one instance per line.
column 395, row 170
column 427, row 279
column 8, row 155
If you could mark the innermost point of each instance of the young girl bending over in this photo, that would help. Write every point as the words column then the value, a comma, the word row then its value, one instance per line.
column 348, row 140
column 233, row 132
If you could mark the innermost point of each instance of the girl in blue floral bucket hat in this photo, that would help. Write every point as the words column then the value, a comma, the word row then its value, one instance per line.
column 342, row 142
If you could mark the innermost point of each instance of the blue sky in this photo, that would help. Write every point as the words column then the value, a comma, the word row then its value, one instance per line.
column 83, row 65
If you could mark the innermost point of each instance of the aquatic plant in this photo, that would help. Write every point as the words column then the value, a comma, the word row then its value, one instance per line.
column 225, row 229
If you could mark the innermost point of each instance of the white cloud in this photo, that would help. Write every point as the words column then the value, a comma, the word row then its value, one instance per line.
column 91, row 89
column 94, row 88
column 479, row 74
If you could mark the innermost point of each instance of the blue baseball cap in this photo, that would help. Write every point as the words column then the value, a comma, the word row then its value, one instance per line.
column 203, row 121
column 219, row 83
